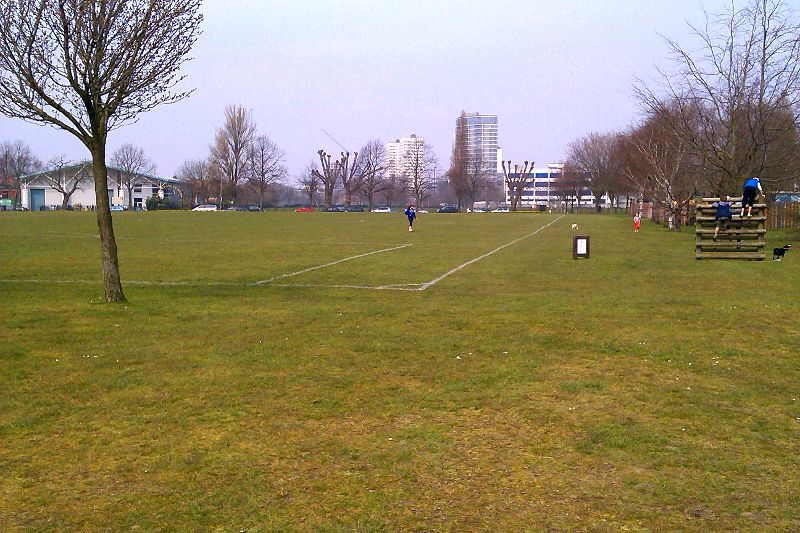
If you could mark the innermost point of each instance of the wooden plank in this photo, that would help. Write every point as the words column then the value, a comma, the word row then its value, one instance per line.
column 710, row 199
column 734, row 205
column 749, row 256
column 739, row 231
column 736, row 218
column 729, row 247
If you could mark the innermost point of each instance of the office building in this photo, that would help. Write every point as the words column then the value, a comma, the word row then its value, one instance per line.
column 480, row 132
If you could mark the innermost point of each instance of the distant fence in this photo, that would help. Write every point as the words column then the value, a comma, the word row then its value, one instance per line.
column 783, row 215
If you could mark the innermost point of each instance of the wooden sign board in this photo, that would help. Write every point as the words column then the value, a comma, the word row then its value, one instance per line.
column 580, row 246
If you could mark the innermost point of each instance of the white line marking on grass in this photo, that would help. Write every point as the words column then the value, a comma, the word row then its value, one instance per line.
column 415, row 286
column 291, row 274
column 424, row 286
column 130, row 282
column 50, row 281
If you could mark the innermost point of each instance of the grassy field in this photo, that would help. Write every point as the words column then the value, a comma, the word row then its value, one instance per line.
column 639, row 390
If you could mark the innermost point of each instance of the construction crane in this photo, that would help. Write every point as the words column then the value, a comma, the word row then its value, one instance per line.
column 334, row 140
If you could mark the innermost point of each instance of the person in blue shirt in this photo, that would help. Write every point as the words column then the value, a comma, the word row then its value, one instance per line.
column 749, row 190
column 411, row 213
column 723, row 214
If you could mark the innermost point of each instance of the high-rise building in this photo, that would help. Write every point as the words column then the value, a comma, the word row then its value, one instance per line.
column 399, row 152
column 481, row 138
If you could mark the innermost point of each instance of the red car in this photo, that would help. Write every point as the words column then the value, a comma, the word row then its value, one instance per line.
column 307, row 209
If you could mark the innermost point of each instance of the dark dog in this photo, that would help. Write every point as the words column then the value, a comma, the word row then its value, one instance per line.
column 778, row 253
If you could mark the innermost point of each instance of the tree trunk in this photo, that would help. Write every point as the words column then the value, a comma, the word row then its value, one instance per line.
column 130, row 197
column 112, row 284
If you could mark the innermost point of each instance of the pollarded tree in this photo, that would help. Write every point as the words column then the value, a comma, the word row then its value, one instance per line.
column 88, row 66
column 232, row 144
column 351, row 177
column 132, row 162
column 329, row 175
column 516, row 181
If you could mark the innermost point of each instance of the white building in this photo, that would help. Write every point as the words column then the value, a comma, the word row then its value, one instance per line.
column 399, row 154
column 541, row 190
column 43, row 190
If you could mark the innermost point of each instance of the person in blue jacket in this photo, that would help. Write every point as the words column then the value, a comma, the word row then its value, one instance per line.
column 751, row 187
column 723, row 214
column 411, row 213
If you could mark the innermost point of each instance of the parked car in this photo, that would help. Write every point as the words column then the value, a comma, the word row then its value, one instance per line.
column 481, row 210
column 332, row 209
column 382, row 210
column 447, row 209
column 117, row 207
column 501, row 210
column 237, row 208
column 20, row 208
column 254, row 208
column 353, row 209
column 205, row 207
column 307, row 209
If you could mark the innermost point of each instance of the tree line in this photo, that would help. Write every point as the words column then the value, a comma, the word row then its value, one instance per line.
column 723, row 111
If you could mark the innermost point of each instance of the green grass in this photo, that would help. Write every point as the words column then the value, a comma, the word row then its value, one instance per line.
column 639, row 389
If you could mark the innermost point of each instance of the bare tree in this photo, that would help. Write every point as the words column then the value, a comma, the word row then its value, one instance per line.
column 309, row 182
column 418, row 165
column 372, row 168
column 132, row 162
column 65, row 177
column 196, row 179
column 737, row 95
column 232, row 144
column 16, row 160
column 457, row 174
column 394, row 190
column 476, row 177
column 265, row 160
column 660, row 163
column 516, row 181
column 87, row 67
column 592, row 155
column 329, row 175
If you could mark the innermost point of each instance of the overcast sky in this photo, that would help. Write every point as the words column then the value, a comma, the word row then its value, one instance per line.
column 552, row 70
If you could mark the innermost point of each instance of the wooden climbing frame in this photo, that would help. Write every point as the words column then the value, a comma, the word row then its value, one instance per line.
column 744, row 238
